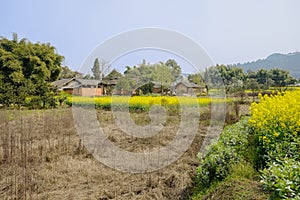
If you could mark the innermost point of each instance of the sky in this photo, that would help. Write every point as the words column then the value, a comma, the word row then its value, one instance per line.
column 231, row 31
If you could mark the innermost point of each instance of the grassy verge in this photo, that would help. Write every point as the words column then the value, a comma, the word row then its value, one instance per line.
column 226, row 171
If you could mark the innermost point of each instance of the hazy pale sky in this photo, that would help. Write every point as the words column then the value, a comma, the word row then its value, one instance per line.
column 230, row 31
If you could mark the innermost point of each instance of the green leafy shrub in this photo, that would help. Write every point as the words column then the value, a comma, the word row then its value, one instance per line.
column 283, row 178
column 230, row 149
column 62, row 98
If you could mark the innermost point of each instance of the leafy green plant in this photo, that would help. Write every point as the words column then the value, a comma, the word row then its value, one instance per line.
column 222, row 155
column 282, row 178
column 62, row 98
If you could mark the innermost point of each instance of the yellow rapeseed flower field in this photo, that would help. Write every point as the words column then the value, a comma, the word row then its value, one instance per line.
column 143, row 102
column 276, row 118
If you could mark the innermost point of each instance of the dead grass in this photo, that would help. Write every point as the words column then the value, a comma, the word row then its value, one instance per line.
column 42, row 157
column 233, row 189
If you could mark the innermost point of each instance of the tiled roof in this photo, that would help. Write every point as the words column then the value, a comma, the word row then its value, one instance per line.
column 189, row 84
column 79, row 82
column 88, row 82
column 62, row 82
column 110, row 82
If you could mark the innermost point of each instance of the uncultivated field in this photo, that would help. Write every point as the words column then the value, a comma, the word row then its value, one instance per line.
column 42, row 157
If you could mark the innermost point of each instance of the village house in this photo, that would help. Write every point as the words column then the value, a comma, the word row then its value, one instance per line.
column 88, row 87
column 187, row 88
column 80, row 87
column 107, row 86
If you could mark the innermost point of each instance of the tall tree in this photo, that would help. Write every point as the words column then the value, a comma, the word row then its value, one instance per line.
column 253, row 85
column 281, row 78
column 96, row 70
column 228, row 77
column 263, row 78
column 25, row 68
column 175, row 68
column 143, row 76
column 163, row 75
column 100, row 69
column 126, row 85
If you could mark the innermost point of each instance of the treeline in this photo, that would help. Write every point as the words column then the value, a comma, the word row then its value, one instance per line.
column 26, row 71
column 233, row 79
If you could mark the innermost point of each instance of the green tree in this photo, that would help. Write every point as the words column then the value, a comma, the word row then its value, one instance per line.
column 126, row 85
column 143, row 76
column 68, row 73
column 146, row 88
column 163, row 75
column 175, row 68
column 230, row 78
column 281, row 78
column 114, row 74
column 263, row 79
column 24, row 68
column 253, row 85
column 96, row 70
column 104, row 68
column 128, row 68
column 196, row 78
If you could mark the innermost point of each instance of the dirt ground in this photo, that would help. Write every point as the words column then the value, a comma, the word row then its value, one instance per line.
column 42, row 157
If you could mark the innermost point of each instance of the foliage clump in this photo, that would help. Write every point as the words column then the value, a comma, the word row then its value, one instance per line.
column 26, row 70
column 230, row 149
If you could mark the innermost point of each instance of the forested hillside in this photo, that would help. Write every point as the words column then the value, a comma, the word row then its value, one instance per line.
column 290, row 62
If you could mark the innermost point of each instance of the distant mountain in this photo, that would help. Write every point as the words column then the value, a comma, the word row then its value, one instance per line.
column 290, row 62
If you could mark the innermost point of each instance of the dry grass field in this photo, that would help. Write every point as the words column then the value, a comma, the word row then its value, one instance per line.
column 42, row 157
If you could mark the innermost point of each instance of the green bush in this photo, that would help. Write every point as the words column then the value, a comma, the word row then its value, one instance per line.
column 282, row 178
column 62, row 98
column 230, row 149
column 275, row 142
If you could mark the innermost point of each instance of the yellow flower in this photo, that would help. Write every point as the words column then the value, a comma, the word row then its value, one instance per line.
column 282, row 109
column 259, row 95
